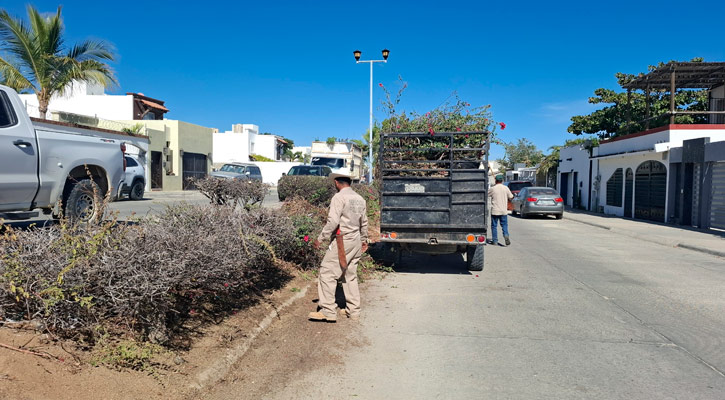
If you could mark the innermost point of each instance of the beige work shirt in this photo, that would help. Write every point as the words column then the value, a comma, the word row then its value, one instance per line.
column 500, row 196
column 348, row 210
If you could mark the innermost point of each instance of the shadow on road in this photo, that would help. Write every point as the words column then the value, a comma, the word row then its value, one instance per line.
column 432, row 264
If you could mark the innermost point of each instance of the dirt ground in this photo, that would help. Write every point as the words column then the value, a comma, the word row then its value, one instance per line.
column 290, row 346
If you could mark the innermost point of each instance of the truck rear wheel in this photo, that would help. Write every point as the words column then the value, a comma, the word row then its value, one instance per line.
column 84, row 203
column 474, row 258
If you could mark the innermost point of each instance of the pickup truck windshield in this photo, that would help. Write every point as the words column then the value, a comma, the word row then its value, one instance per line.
column 330, row 162
column 237, row 169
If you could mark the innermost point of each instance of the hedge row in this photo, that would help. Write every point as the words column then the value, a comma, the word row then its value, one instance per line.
column 148, row 277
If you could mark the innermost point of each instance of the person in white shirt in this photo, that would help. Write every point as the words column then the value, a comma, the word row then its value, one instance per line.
column 500, row 196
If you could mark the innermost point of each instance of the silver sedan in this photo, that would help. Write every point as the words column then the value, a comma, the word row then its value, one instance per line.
column 538, row 201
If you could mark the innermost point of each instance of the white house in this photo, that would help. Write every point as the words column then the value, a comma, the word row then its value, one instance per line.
column 90, row 100
column 634, row 169
column 243, row 141
column 574, row 179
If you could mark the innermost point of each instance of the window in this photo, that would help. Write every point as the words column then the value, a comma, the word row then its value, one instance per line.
column 542, row 192
column 130, row 162
column 614, row 188
column 7, row 114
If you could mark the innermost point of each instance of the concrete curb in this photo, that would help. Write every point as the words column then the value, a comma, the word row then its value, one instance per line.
column 609, row 228
column 220, row 368
column 701, row 249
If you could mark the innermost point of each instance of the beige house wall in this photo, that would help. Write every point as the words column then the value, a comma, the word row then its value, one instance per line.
column 181, row 137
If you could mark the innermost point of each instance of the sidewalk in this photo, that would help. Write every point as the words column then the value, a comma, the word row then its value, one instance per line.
column 709, row 242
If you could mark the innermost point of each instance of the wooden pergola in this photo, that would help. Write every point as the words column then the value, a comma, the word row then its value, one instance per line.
column 677, row 75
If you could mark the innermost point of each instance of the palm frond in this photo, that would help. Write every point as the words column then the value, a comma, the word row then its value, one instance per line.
column 18, row 41
column 92, row 50
column 12, row 77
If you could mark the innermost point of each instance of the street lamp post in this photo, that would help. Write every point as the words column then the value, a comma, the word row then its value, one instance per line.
column 357, row 54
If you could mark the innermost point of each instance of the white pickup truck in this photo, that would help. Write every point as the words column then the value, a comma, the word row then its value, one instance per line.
column 55, row 167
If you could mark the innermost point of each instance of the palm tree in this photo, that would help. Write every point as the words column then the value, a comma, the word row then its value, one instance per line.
column 33, row 57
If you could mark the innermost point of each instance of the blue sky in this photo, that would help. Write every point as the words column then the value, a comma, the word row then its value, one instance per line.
column 288, row 66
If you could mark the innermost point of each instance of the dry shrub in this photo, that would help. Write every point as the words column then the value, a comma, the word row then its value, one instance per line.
column 148, row 277
column 318, row 190
column 232, row 192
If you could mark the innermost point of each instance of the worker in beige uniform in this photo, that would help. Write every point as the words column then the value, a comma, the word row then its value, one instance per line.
column 346, row 231
column 500, row 196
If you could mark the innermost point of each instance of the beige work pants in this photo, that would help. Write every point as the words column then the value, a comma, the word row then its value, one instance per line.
column 330, row 272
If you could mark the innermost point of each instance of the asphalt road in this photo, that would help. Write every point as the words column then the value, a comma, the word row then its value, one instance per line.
column 568, row 311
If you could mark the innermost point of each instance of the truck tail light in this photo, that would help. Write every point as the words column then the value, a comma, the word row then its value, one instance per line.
column 532, row 199
column 393, row 235
column 470, row 238
column 559, row 200
column 123, row 155
column 481, row 239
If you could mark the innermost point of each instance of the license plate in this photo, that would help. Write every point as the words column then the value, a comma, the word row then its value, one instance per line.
column 414, row 188
column 546, row 202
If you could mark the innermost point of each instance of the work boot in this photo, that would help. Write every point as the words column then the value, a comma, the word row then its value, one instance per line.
column 508, row 241
column 318, row 316
column 345, row 312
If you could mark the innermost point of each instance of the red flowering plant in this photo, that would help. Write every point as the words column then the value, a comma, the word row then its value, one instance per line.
column 476, row 125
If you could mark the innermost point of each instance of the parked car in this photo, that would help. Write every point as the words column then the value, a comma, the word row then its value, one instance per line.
column 515, row 187
column 54, row 167
column 243, row 171
column 536, row 200
column 134, row 181
column 314, row 170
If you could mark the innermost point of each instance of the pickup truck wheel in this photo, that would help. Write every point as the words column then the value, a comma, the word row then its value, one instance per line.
column 84, row 203
column 136, row 191
column 474, row 258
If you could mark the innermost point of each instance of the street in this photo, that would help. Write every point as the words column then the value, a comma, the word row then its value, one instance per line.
column 567, row 311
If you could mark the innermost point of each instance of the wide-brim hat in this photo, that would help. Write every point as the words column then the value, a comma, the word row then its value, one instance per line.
column 336, row 175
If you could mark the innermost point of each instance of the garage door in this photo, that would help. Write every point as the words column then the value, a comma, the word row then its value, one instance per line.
column 193, row 166
column 717, row 207
column 650, row 191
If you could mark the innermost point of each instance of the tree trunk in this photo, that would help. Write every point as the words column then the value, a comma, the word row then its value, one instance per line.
column 43, row 101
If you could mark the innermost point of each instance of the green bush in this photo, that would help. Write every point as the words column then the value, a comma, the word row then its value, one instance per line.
column 371, row 194
column 318, row 190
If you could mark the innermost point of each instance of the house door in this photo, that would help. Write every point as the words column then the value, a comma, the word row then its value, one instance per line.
column 564, row 190
column 156, row 170
column 193, row 166
column 628, row 192
column 650, row 191
column 717, row 207
column 575, row 191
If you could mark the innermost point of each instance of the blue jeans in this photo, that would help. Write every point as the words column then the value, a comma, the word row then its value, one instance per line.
column 494, row 226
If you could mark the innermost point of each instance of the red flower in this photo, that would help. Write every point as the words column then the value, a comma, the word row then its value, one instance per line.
column 306, row 238
column 446, row 146
column 503, row 126
column 380, row 84
column 459, row 129
column 226, row 284
column 431, row 132
column 468, row 104
column 466, row 136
